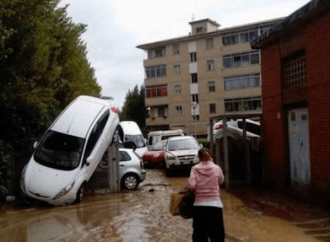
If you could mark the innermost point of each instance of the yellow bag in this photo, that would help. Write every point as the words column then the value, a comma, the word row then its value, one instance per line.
column 182, row 204
column 176, row 199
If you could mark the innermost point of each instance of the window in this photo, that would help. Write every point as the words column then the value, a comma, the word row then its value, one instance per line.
column 295, row 70
column 242, row 82
column 242, row 104
column 194, row 98
column 209, row 44
column 195, row 118
column 156, row 91
column 176, row 49
column 210, row 65
column 193, row 57
column 241, row 59
column 199, row 30
column 156, row 53
column 160, row 52
column 226, row 40
column 250, row 127
column 155, row 71
column 212, row 108
column 211, row 85
column 177, row 69
column 162, row 111
column 177, row 90
column 227, row 61
column 194, row 78
column 123, row 156
column 244, row 37
column 178, row 111
column 234, row 39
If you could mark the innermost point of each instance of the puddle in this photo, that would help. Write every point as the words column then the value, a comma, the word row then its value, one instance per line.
column 143, row 215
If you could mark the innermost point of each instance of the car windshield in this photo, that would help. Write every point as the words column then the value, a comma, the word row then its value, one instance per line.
column 182, row 144
column 137, row 139
column 59, row 151
column 159, row 146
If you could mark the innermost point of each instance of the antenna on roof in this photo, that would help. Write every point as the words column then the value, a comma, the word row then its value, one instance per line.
column 192, row 17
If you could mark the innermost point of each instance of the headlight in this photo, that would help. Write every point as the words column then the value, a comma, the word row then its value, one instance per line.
column 170, row 157
column 64, row 191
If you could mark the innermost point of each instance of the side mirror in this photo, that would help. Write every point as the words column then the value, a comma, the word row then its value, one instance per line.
column 35, row 145
column 89, row 160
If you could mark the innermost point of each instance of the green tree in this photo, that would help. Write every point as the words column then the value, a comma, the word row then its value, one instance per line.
column 134, row 108
column 43, row 67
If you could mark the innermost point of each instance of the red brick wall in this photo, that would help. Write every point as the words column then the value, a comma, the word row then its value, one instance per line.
column 318, row 92
column 273, row 117
column 316, row 38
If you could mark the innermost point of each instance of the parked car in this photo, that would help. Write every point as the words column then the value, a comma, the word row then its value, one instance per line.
column 235, row 129
column 131, row 169
column 130, row 131
column 157, row 136
column 181, row 153
column 155, row 156
column 70, row 150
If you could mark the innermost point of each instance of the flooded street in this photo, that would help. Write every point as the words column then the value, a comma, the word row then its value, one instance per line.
column 143, row 215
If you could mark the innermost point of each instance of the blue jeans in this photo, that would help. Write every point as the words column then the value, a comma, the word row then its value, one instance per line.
column 208, row 223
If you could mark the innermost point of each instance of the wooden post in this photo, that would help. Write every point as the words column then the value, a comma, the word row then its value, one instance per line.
column 246, row 153
column 225, row 148
column 113, row 168
column 211, row 137
column 218, row 153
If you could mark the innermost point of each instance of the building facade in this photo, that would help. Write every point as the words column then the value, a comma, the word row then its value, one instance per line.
column 208, row 73
column 296, row 98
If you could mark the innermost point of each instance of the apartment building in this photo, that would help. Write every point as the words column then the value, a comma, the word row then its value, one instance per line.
column 209, row 72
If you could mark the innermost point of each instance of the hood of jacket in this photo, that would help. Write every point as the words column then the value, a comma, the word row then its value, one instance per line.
column 205, row 168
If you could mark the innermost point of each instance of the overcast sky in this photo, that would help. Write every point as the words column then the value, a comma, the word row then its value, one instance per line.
column 116, row 27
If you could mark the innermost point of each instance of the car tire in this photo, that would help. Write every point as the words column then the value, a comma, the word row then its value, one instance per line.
column 80, row 193
column 168, row 172
column 130, row 182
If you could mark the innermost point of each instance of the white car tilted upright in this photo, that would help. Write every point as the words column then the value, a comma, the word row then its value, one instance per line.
column 70, row 150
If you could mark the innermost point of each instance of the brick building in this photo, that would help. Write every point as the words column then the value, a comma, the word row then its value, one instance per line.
column 296, row 101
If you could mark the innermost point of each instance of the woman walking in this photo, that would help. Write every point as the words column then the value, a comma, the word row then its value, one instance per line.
column 205, row 179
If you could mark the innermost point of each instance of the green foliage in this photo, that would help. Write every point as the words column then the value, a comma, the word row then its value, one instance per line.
column 134, row 108
column 204, row 142
column 43, row 67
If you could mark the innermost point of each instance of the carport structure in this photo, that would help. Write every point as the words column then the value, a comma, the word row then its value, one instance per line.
column 223, row 159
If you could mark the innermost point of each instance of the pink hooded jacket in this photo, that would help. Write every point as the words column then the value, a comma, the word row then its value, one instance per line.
column 205, row 179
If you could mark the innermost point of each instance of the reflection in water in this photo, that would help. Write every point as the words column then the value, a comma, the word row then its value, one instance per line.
column 143, row 215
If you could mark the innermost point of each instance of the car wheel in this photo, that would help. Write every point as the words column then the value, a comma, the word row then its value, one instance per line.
column 80, row 193
column 168, row 172
column 130, row 181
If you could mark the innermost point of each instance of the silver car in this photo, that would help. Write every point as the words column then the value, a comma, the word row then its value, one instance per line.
column 131, row 170
column 181, row 153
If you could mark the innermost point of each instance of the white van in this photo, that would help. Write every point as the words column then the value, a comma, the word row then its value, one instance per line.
column 156, row 136
column 70, row 150
column 130, row 131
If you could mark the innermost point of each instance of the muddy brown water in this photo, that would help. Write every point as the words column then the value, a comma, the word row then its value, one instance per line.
column 143, row 215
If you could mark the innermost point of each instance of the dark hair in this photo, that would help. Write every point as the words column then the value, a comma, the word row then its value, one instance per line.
column 204, row 151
